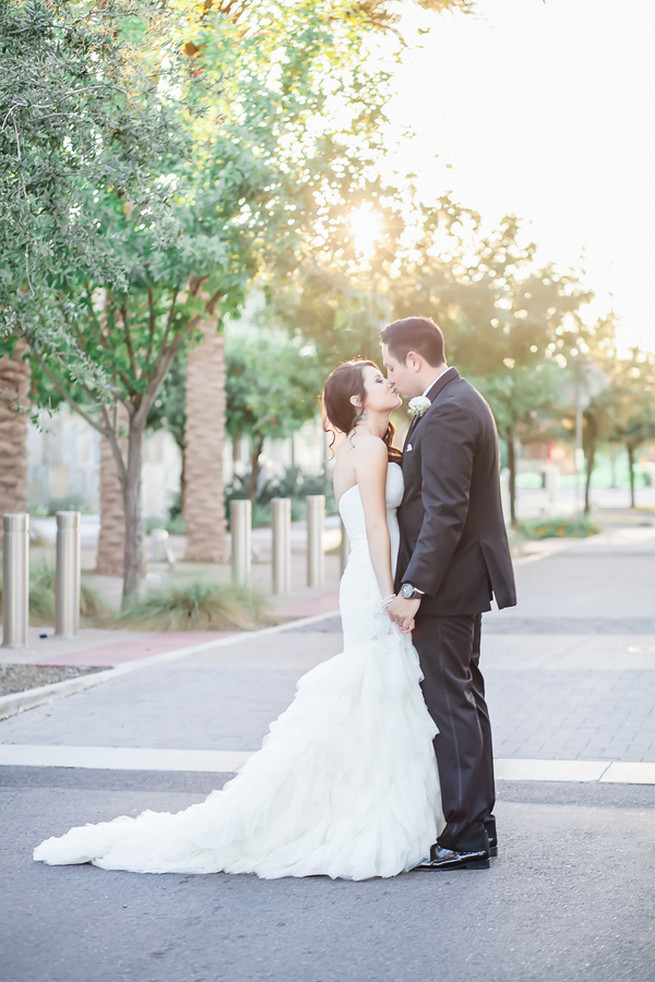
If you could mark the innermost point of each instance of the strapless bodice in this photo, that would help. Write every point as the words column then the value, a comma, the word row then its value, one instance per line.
column 360, row 600
column 352, row 510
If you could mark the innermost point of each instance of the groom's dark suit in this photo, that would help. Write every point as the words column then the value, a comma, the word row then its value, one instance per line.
column 453, row 547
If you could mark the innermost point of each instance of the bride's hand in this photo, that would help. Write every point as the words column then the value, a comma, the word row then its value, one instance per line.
column 407, row 625
column 402, row 613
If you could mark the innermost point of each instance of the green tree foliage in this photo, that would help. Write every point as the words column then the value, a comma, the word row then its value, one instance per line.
column 636, row 426
column 155, row 157
column 272, row 388
column 508, row 322
column 623, row 412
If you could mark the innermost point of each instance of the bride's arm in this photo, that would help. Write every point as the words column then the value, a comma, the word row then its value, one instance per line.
column 371, row 474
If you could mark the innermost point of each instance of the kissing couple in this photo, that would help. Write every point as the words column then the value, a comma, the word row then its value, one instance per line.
column 383, row 761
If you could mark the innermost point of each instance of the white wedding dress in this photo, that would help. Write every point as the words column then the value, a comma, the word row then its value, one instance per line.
column 345, row 783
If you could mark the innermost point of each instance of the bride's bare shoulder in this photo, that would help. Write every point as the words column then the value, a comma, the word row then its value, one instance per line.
column 370, row 446
column 361, row 453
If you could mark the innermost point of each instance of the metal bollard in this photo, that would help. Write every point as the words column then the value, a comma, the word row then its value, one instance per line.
column 67, row 575
column 158, row 545
column 344, row 548
column 240, row 523
column 15, row 580
column 281, row 522
column 552, row 482
column 315, row 554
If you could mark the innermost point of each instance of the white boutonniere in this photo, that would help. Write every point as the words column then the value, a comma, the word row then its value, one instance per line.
column 418, row 405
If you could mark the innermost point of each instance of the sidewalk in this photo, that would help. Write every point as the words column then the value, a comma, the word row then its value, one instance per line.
column 571, row 688
column 570, row 675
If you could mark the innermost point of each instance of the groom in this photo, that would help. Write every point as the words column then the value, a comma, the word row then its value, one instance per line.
column 453, row 556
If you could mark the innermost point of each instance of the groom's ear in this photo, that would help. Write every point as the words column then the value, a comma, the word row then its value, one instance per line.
column 414, row 361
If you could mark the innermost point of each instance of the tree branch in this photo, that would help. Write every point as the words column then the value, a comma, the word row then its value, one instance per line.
column 151, row 320
column 128, row 340
column 63, row 391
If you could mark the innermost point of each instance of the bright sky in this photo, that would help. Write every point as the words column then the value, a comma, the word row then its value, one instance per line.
column 546, row 111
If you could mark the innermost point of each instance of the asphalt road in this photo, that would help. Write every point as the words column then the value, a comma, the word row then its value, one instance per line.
column 569, row 898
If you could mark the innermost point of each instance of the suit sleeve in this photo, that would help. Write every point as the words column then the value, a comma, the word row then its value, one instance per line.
column 447, row 447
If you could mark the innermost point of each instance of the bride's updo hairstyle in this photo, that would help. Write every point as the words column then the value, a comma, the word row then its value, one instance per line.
column 345, row 382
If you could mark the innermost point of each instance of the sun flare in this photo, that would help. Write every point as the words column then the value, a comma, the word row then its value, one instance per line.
column 366, row 227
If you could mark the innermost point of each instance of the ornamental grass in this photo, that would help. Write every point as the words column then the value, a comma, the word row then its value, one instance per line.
column 197, row 605
column 94, row 612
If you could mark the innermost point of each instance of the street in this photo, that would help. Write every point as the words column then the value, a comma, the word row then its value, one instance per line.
column 571, row 679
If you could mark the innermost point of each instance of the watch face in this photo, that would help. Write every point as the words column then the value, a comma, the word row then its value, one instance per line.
column 407, row 590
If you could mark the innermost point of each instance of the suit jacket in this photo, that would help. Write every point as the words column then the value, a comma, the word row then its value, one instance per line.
column 453, row 540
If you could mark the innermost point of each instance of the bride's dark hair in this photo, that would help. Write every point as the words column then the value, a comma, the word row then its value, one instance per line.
column 346, row 381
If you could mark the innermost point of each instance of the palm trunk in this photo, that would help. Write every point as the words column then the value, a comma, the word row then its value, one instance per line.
column 14, row 421
column 110, row 560
column 204, row 509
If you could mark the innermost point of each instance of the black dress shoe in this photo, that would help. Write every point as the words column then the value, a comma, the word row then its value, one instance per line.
column 441, row 858
column 490, row 829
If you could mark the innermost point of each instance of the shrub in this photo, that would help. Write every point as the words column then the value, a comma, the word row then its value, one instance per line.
column 68, row 502
column 291, row 483
column 197, row 605
column 579, row 527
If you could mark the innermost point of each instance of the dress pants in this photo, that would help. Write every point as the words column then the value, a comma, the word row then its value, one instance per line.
column 453, row 688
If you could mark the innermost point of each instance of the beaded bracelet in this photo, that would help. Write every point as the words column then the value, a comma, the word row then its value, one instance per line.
column 388, row 600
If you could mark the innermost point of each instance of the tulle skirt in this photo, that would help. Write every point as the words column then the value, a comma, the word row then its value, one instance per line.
column 344, row 785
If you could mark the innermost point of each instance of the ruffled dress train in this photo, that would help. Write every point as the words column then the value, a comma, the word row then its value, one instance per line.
column 344, row 785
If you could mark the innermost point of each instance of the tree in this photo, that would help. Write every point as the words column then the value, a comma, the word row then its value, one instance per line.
column 521, row 397
column 507, row 321
column 634, row 409
column 14, row 392
column 161, row 155
column 273, row 384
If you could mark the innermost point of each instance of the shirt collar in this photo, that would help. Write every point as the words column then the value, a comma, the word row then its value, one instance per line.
column 435, row 380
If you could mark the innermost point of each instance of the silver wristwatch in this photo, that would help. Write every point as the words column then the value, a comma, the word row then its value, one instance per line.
column 409, row 592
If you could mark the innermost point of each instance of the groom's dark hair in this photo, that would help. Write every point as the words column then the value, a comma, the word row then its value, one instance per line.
column 419, row 334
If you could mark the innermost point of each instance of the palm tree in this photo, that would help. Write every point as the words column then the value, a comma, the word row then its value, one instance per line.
column 14, row 393
column 110, row 559
column 202, row 492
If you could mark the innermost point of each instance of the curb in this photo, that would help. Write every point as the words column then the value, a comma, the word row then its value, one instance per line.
column 20, row 702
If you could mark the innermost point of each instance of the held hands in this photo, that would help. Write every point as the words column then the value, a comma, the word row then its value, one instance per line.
column 402, row 612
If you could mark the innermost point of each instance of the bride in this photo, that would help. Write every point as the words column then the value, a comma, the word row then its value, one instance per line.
column 345, row 783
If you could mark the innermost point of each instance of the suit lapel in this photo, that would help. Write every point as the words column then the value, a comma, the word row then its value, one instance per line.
column 448, row 376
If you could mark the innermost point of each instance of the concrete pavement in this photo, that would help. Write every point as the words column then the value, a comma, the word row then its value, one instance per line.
column 569, row 673
column 571, row 686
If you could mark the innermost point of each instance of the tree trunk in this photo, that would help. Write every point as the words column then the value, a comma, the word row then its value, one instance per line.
column 133, row 561
column 590, row 459
column 204, row 508
column 257, row 444
column 631, row 470
column 111, row 543
column 613, row 465
column 14, row 401
column 183, row 480
column 511, row 465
